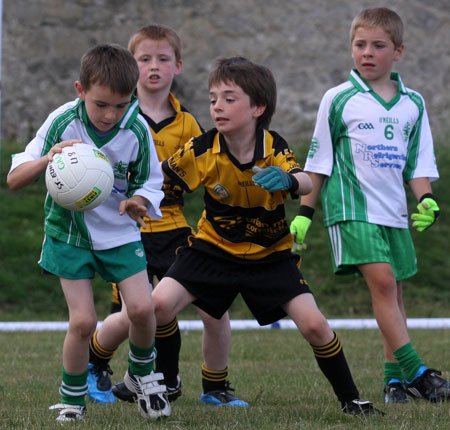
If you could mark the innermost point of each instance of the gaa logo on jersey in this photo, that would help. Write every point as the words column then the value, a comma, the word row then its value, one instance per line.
column 221, row 191
column 366, row 126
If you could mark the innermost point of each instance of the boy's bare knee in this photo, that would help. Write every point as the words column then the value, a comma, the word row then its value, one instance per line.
column 213, row 324
column 162, row 310
column 83, row 327
column 139, row 313
column 316, row 330
column 160, row 307
column 124, row 321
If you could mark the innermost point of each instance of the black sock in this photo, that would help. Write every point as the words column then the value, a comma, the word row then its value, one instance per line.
column 99, row 356
column 168, row 345
column 214, row 380
column 332, row 363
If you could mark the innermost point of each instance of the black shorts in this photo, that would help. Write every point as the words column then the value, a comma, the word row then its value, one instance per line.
column 160, row 249
column 215, row 278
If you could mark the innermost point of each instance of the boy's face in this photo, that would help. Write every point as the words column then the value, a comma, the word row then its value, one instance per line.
column 157, row 64
column 231, row 110
column 373, row 53
column 104, row 108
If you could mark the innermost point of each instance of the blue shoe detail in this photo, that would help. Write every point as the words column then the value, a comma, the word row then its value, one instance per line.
column 394, row 381
column 418, row 374
column 99, row 385
column 222, row 398
column 430, row 386
column 420, row 371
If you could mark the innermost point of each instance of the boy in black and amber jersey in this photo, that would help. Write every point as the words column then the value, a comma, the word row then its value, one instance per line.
column 157, row 50
column 239, row 217
column 243, row 244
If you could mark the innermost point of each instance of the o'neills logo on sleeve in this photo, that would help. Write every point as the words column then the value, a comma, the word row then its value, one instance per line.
column 175, row 168
column 246, row 184
column 221, row 191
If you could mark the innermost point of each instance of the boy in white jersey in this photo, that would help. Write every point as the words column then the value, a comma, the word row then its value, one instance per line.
column 106, row 239
column 372, row 134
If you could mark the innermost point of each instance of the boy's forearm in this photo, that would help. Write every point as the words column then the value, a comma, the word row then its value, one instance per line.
column 311, row 198
column 304, row 183
column 420, row 187
column 26, row 173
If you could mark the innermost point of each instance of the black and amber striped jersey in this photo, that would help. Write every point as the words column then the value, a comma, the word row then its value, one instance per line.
column 170, row 135
column 239, row 217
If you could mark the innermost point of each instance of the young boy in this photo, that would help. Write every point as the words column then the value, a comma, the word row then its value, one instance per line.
column 243, row 242
column 372, row 134
column 106, row 239
column 157, row 50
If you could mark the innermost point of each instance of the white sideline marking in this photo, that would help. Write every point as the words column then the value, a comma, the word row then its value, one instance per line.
column 425, row 323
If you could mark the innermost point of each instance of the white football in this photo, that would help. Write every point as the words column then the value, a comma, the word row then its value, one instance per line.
column 79, row 178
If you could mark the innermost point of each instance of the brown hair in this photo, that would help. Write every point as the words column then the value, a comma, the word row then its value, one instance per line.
column 109, row 65
column 255, row 80
column 156, row 32
column 382, row 17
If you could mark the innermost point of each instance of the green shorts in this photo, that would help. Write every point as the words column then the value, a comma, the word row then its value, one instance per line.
column 354, row 242
column 72, row 262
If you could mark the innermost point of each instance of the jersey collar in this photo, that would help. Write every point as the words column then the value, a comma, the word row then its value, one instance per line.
column 356, row 79
column 127, row 120
column 219, row 144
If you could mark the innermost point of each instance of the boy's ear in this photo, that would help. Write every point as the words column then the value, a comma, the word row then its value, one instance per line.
column 259, row 110
column 179, row 67
column 399, row 52
column 79, row 90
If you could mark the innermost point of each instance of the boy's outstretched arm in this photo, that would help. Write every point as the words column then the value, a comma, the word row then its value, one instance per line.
column 28, row 172
column 300, row 224
column 427, row 207
column 274, row 178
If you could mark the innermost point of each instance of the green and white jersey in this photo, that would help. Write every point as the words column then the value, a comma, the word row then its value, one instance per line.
column 368, row 148
column 130, row 150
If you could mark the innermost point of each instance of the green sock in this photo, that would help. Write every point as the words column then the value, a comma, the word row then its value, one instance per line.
column 73, row 388
column 141, row 360
column 408, row 360
column 392, row 371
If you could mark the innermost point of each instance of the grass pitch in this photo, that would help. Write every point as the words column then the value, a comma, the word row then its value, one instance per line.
column 274, row 370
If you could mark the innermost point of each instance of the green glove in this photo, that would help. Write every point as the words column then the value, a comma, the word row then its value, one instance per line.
column 299, row 227
column 428, row 213
column 274, row 178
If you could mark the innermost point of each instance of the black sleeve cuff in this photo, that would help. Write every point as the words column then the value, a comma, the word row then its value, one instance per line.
column 173, row 176
column 294, row 186
column 306, row 211
column 427, row 196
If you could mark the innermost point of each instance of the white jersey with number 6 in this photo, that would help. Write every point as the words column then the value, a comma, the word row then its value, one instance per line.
column 368, row 149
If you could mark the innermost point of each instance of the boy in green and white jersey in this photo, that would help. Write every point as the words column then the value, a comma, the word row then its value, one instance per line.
column 372, row 135
column 367, row 147
column 105, row 239
column 157, row 49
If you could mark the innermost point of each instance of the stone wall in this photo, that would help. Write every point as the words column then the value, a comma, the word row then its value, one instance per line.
column 305, row 44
